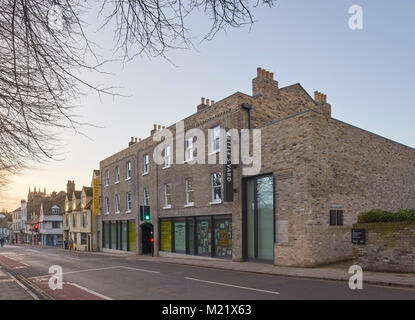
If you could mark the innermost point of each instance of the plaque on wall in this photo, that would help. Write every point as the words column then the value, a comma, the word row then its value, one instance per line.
column 358, row 236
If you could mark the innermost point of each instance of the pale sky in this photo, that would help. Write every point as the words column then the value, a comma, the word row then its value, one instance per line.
column 367, row 75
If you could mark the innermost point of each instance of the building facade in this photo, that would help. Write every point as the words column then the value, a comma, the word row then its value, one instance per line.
column 50, row 220
column 17, row 226
column 316, row 175
column 81, row 215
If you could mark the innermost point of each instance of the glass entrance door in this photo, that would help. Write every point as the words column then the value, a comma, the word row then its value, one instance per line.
column 259, row 218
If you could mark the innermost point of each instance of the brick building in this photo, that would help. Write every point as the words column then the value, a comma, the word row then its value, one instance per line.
column 317, row 174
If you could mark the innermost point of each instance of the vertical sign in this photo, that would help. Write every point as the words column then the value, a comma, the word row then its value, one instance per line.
column 95, row 196
column 228, row 168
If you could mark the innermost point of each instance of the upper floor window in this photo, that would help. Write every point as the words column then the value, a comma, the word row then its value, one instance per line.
column 146, row 197
column 55, row 210
column 167, row 195
column 189, row 191
column 146, row 164
column 84, row 220
column 56, row 224
column 117, row 203
column 167, row 157
column 117, row 174
column 129, row 204
column 107, row 205
column 189, row 149
column 128, row 170
column 215, row 139
column 107, row 178
column 73, row 221
column 216, row 187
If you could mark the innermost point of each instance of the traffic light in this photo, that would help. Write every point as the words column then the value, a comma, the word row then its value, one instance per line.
column 145, row 213
column 36, row 227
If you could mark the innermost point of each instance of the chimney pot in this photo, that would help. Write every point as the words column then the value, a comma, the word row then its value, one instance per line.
column 212, row 102
column 202, row 100
column 207, row 101
column 271, row 75
column 155, row 126
column 159, row 127
column 258, row 72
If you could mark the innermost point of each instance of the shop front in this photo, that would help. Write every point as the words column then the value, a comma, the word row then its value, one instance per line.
column 209, row 236
column 119, row 235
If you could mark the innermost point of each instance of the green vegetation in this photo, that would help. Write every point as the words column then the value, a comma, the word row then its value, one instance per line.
column 377, row 215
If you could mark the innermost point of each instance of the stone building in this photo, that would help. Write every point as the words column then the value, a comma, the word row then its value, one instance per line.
column 316, row 175
column 50, row 220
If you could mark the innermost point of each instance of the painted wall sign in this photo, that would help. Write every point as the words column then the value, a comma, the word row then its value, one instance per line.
column 228, row 171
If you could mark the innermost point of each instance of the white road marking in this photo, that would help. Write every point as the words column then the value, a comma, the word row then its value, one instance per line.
column 90, row 291
column 97, row 269
column 232, row 285
column 137, row 269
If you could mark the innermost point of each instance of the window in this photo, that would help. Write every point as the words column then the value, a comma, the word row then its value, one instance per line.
column 117, row 203
column 107, row 178
column 84, row 220
column 189, row 149
column 56, row 224
column 128, row 170
column 107, row 205
column 215, row 139
column 167, row 196
column 84, row 238
column 216, row 187
column 73, row 221
column 55, row 210
column 145, row 164
column 167, row 157
column 336, row 217
column 146, row 197
column 117, row 174
column 129, row 206
column 66, row 221
column 189, row 192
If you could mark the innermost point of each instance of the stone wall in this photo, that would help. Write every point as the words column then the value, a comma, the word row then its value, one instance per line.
column 390, row 246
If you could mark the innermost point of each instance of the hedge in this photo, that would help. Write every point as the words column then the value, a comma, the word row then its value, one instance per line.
column 377, row 215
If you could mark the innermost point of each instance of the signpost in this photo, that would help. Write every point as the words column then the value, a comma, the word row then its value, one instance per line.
column 358, row 236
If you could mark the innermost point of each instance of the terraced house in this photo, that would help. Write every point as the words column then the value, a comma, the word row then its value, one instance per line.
column 81, row 216
column 316, row 175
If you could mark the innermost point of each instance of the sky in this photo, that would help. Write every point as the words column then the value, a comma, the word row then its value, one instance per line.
column 367, row 75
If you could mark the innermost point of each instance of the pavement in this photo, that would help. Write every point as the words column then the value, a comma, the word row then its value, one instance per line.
column 26, row 274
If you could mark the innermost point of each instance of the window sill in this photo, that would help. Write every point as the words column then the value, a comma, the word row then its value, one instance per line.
column 191, row 204
column 167, row 207
column 145, row 173
column 128, row 179
column 116, row 182
column 166, row 167
column 216, row 202
column 116, row 212
column 128, row 211
column 106, row 185
column 213, row 152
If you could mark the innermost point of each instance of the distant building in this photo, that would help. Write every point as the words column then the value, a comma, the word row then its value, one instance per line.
column 17, row 225
column 50, row 220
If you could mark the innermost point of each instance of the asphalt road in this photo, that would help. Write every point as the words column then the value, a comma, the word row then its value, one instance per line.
column 114, row 276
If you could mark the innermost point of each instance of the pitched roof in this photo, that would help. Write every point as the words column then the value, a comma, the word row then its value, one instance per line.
column 88, row 191
column 54, row 200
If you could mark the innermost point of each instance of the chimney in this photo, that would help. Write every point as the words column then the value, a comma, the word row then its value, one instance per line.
column 264, row 83
column 156, row 128
column 132, row 141
column 321, row 100
column 203, row 104
column 70, row 187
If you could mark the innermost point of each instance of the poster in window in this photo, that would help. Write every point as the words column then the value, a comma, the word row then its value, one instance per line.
column 180, row 236
column 165, row 230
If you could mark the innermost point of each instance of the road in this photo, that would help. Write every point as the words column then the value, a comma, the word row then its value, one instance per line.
column 100, row 276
